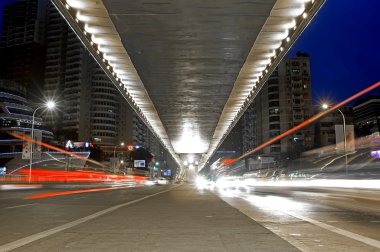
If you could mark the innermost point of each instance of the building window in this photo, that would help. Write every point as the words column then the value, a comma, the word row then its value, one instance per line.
column 294, row 70
column 273, row 97
column 274, row 126
column 274, row 119
column 275, row 149
column 274, row 104
column 297, row 101
column 274, row 111
column 273, row 89
column 274, row 133
column 273, row 81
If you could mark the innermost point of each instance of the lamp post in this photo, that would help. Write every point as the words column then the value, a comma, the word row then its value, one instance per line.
column 114, row 155
column 114, row 150
column 325, row 106
column 49, row 105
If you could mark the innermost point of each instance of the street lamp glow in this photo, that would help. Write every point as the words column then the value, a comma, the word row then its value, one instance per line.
column 325, row 106
column 50, row 104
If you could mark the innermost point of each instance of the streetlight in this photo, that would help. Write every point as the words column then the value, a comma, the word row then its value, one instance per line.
column 49, row 105
column 114, row 150
column 114, row 155
column 325, row 106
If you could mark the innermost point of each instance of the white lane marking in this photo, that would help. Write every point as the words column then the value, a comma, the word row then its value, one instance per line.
column 348, row 234
column 19, row 187
column 354, row 236
column 43, row 234
column 19, row 206
column 80, row 198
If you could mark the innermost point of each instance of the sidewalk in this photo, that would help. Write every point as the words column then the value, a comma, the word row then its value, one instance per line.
column 183, row 219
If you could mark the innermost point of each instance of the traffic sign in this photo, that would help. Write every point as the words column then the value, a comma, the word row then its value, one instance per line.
column 139, row 163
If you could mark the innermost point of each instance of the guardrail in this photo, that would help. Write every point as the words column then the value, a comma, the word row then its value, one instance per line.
column 13, row 178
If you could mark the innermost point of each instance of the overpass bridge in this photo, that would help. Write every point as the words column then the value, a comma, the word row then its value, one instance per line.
column 189, row 69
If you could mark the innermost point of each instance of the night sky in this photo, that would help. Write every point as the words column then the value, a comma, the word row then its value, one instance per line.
column 343, row 41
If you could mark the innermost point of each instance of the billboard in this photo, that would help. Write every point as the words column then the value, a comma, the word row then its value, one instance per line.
column 350, row 139
column 26, row 145
column 26, row 149
column 139, row 164
column 3, row 170
column 37, row 135
column 167, row 172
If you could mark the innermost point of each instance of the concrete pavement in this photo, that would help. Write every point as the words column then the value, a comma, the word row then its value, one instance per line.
column 182, row 219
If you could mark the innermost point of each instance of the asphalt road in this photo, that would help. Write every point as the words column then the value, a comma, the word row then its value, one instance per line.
column 21, row 217
column 153, row 218
column 314, row 219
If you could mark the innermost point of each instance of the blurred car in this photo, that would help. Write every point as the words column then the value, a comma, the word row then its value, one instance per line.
column 162, row 181
column 150, row 182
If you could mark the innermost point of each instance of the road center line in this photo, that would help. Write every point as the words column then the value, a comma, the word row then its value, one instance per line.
column 19, row 206
column 43, row 234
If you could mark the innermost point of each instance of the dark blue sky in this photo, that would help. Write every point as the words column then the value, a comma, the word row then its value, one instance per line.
column 343, row 41
column 2, row 3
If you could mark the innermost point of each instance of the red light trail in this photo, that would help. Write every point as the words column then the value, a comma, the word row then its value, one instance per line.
column 43, row 175
column 53, row 194
column 303, row 124
column 55, row 148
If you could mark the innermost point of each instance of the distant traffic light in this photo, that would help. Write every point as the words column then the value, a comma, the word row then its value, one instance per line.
column 157, row 163
column 133, row 147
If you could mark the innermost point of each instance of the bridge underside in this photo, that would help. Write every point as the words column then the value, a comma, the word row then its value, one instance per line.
column 189, row 68
column 188, row 55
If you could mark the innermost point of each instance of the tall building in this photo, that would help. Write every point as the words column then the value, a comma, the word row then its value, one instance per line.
column 22, row 45
column 283, row 102
column 249, row 128
column 232, row 143
column 16, row 116
column 23, row 22
column 90, row 105
column 91, row 108
column 140, row 132
column 367, row 116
